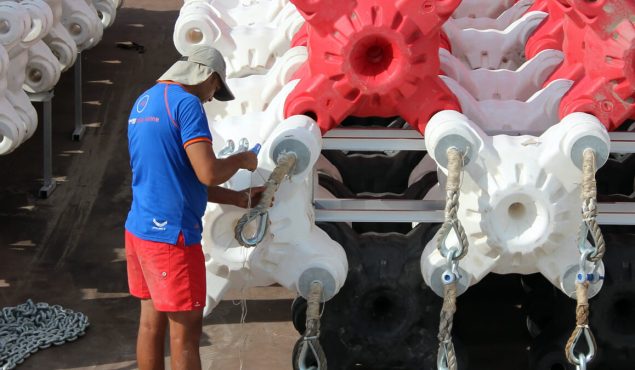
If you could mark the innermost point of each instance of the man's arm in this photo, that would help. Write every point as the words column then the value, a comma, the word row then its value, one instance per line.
column 212, row 171
column 243, row 198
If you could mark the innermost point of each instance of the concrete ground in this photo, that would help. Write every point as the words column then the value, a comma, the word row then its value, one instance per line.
column 69, row 249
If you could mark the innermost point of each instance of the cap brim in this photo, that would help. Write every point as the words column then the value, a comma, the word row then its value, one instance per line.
column 224, row 93
column 187, row 73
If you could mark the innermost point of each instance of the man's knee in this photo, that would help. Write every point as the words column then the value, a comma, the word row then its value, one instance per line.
column 151, row 320
column 186, row 326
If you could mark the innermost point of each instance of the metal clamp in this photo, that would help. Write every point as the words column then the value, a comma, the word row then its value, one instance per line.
column 585, row 274
column 451, row 274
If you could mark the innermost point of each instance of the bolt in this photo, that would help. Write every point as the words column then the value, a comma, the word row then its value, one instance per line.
column 5, row 26
column 35, row 75
column 75, row 29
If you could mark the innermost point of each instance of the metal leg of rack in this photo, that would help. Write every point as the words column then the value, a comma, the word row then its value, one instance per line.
column 78, row 133
column 47, row 137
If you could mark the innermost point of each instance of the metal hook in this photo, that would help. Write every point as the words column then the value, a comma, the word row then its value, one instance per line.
column 263, row 225
column 227, row 150
column 308, row 344
column 442, row 356
column 445, row 232
column 590, row 341
column 243, row 145
column 583, row 362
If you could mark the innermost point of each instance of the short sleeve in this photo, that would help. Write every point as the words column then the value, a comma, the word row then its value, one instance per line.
column 192, row 120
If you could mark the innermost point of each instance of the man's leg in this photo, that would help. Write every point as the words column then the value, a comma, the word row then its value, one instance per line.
column 185, row 334
column 151, row 338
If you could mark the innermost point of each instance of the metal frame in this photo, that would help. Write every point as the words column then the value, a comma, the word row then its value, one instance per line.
column 49, row 182
column 380, row 139
column 78, row 132
column 385, row 139
column 430, row 211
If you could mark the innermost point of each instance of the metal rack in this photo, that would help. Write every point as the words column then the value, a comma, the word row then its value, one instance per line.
column 78, row 132
column 49, row 182
column 364, row 210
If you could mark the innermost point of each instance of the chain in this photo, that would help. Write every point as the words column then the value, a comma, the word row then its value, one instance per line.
column 28, row 327
column 446, row 358
column 590, row 258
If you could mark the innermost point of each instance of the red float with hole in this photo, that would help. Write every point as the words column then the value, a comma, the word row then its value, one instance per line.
column 371, row 58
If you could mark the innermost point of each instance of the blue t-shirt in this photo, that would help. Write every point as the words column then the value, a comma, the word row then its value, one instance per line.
column 167, row 197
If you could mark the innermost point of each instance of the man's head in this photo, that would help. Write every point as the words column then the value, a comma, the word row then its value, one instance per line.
column 203, row 72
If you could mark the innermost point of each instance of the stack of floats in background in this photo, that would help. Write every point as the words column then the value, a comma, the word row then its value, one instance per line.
column 40, row 39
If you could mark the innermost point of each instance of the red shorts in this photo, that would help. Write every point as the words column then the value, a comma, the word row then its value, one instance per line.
column 173, row 276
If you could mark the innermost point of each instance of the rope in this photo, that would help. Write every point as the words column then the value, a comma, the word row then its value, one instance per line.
column 445, row 326
column 285, row 164
column 310, row 348
column 452, row 188
column 446, row 358
column 589, row 204
column 581, row 319
column 28, row 327
column 313, row 309
column 593, row 255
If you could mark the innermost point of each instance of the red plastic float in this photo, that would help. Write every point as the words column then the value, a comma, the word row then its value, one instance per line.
column 371, row 58
column 599, row 52
column 550, row 34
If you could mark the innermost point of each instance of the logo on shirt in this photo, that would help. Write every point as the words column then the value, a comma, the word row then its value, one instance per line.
column 158, row 225
column 143, row 103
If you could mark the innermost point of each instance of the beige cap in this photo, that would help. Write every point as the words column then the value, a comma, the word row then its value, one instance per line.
column 195, row 68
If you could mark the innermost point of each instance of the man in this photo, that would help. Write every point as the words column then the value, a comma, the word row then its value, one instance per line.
column 173, row 165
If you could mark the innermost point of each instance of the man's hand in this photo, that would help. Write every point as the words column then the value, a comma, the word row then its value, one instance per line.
column 251, row 197
column 249, row 160
column 212, row 171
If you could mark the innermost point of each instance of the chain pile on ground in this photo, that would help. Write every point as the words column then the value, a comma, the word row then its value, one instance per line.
column 29, row 327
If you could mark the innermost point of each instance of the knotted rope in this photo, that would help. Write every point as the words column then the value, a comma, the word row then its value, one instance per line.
column 446, row 358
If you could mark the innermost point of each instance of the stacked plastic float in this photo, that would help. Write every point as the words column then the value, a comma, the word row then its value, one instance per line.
column 524, row 92
column 40, row 39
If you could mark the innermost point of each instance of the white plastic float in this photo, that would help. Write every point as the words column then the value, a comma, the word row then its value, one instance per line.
column 519, row 200
column 502, row 84
column 254, row 93
column 492, row 48
column 248, row 48
column 295, row 252
column 59, row 40
column 82, row 23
